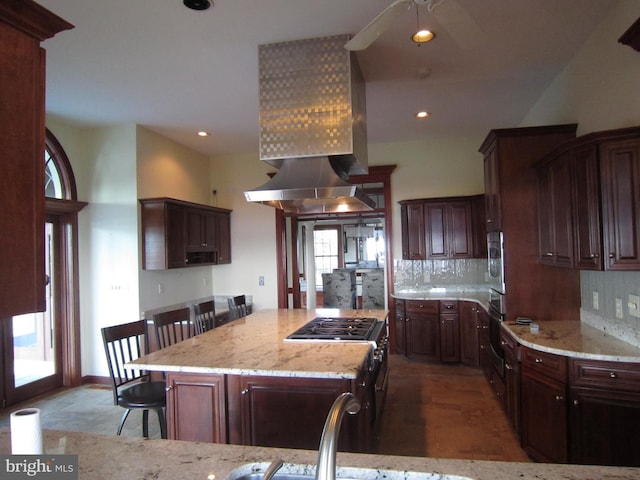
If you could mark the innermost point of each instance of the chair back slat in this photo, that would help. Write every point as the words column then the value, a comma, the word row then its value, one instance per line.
column 237, row 307
column 172, row 327
column 204, row 315
column 123, row 344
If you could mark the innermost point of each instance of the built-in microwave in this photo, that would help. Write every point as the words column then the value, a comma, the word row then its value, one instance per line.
column 495, row 249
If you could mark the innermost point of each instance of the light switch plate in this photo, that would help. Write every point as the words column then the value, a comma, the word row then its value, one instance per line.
column 596, row 301
column 619, row 313
column 634, row 306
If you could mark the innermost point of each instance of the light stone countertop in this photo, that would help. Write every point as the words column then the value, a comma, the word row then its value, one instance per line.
column 255, row 345
column 574, row 338
column 127, row 458
column 479, row 294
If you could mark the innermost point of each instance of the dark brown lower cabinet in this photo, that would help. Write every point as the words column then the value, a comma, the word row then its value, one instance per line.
column 196, row 407
column 511, row 380
column 605, row 427
column 469, row 334
column 285, row 412
column 544, row 406
column 422, row 323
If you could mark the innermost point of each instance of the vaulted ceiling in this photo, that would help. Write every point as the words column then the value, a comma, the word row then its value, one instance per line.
column 176, row 71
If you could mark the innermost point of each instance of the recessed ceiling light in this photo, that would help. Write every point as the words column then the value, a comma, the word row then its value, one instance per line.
column 423, row 36
column 197, row 4
column 203, row 134
column 422, row 114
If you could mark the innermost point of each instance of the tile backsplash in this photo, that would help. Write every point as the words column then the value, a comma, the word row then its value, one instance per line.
column 611, row 288
column 419, row 273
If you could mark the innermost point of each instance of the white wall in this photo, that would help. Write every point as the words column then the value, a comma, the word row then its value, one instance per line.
column 168, row 169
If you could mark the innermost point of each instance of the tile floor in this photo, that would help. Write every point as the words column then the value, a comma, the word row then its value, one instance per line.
column 432, row 410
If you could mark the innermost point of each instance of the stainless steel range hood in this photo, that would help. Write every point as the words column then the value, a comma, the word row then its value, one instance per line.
column 312, row 126
column 311, row 185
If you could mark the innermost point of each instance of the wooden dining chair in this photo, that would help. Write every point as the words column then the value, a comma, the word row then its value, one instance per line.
column 204, row 317
column 133, row 389
column 237, row 307
column 173, row 326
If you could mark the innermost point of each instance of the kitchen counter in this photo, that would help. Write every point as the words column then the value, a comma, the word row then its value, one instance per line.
column 574, row 338
column 255, row 345
column 478, row 294
column 116, row 458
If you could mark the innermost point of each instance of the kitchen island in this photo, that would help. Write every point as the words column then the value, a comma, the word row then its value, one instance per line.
column 245, row 383
column 124, row 458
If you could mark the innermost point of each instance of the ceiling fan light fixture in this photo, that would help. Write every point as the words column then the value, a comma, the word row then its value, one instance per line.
column 422, row 36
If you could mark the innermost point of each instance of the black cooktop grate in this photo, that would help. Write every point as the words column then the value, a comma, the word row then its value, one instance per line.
column 336, row 328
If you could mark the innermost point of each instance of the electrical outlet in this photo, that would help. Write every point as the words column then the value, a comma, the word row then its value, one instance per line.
column 619, row 313
column 160, row 288
column 261, row 280
column 634, row 306
column 596, row 302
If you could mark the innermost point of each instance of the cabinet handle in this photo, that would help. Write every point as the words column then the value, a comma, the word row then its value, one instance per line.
column 613, row 375
column 169, row 388
column 612, row 255
column 244, row 391
column 449, row 307
column 503, row 343
column 538, row 360
column 594, row 255
column 576, row 403
column 559, row 398
column 508, row 366
column 549, row 254
column 421, row 306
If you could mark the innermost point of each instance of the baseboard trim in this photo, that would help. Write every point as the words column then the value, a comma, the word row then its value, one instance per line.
column 96, row 379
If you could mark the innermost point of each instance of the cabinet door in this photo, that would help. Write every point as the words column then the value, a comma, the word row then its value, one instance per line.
column 492, row 190
column 460, row 235
column 223, row 238
column 555, row 218
column 544, row 418
column 469, row 329
column 175, row 242
column 399, row 326
column 22, row 283
column 449, row 338
column 423, row 330
column 195, row 240
column 436, row 230
column 605, row 427
column 479, row 226
column 620, row 171
column 413, row 231
column 196, row 407
column 586, row 195
column 289, row 412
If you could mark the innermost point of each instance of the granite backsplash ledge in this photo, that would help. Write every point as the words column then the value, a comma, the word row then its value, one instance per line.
column 429, row 273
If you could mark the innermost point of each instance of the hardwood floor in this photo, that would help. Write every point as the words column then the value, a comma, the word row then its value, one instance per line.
column 444, row 411
column 432, row 410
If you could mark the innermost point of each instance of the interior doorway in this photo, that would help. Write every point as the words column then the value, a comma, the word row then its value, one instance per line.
column 294, row 231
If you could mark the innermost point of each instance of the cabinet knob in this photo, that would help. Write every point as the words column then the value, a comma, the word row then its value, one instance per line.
column 503, row 343
column 449, row 307
column 549, row 254
column 594, row 255
column 613, row 375
column 559, row 398
column 538, row 360
column 244, row 391
column 508, row 366
column 169, row 388
column 612, row 255
column 576, row 402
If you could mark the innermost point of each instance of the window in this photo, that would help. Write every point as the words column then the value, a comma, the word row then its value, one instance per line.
column 58, row 174
column 326, row 248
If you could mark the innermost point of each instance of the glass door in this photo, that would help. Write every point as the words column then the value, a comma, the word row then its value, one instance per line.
column 32, row 356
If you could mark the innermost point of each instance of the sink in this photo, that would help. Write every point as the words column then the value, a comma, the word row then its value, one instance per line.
column 254, row 471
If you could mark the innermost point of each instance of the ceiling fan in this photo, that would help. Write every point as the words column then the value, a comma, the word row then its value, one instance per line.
column 378, row 25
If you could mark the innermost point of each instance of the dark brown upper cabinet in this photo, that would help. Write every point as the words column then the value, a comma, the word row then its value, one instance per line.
column 178, row 234
column 442, row 228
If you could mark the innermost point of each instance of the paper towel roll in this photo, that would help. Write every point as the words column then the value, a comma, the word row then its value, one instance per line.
column 26, row 432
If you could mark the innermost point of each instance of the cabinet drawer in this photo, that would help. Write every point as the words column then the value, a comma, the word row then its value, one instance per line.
column 421, row 307
column 610, row 375
column 448, row 306
column 548, row 364
column 509, row 344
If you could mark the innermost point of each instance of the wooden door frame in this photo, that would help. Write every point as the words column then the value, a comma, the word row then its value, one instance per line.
column 376, row 174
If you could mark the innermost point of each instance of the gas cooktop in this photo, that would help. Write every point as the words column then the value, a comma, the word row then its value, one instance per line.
column 337, row 328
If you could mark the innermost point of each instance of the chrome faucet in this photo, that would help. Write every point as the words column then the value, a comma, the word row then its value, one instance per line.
column 346, row 402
